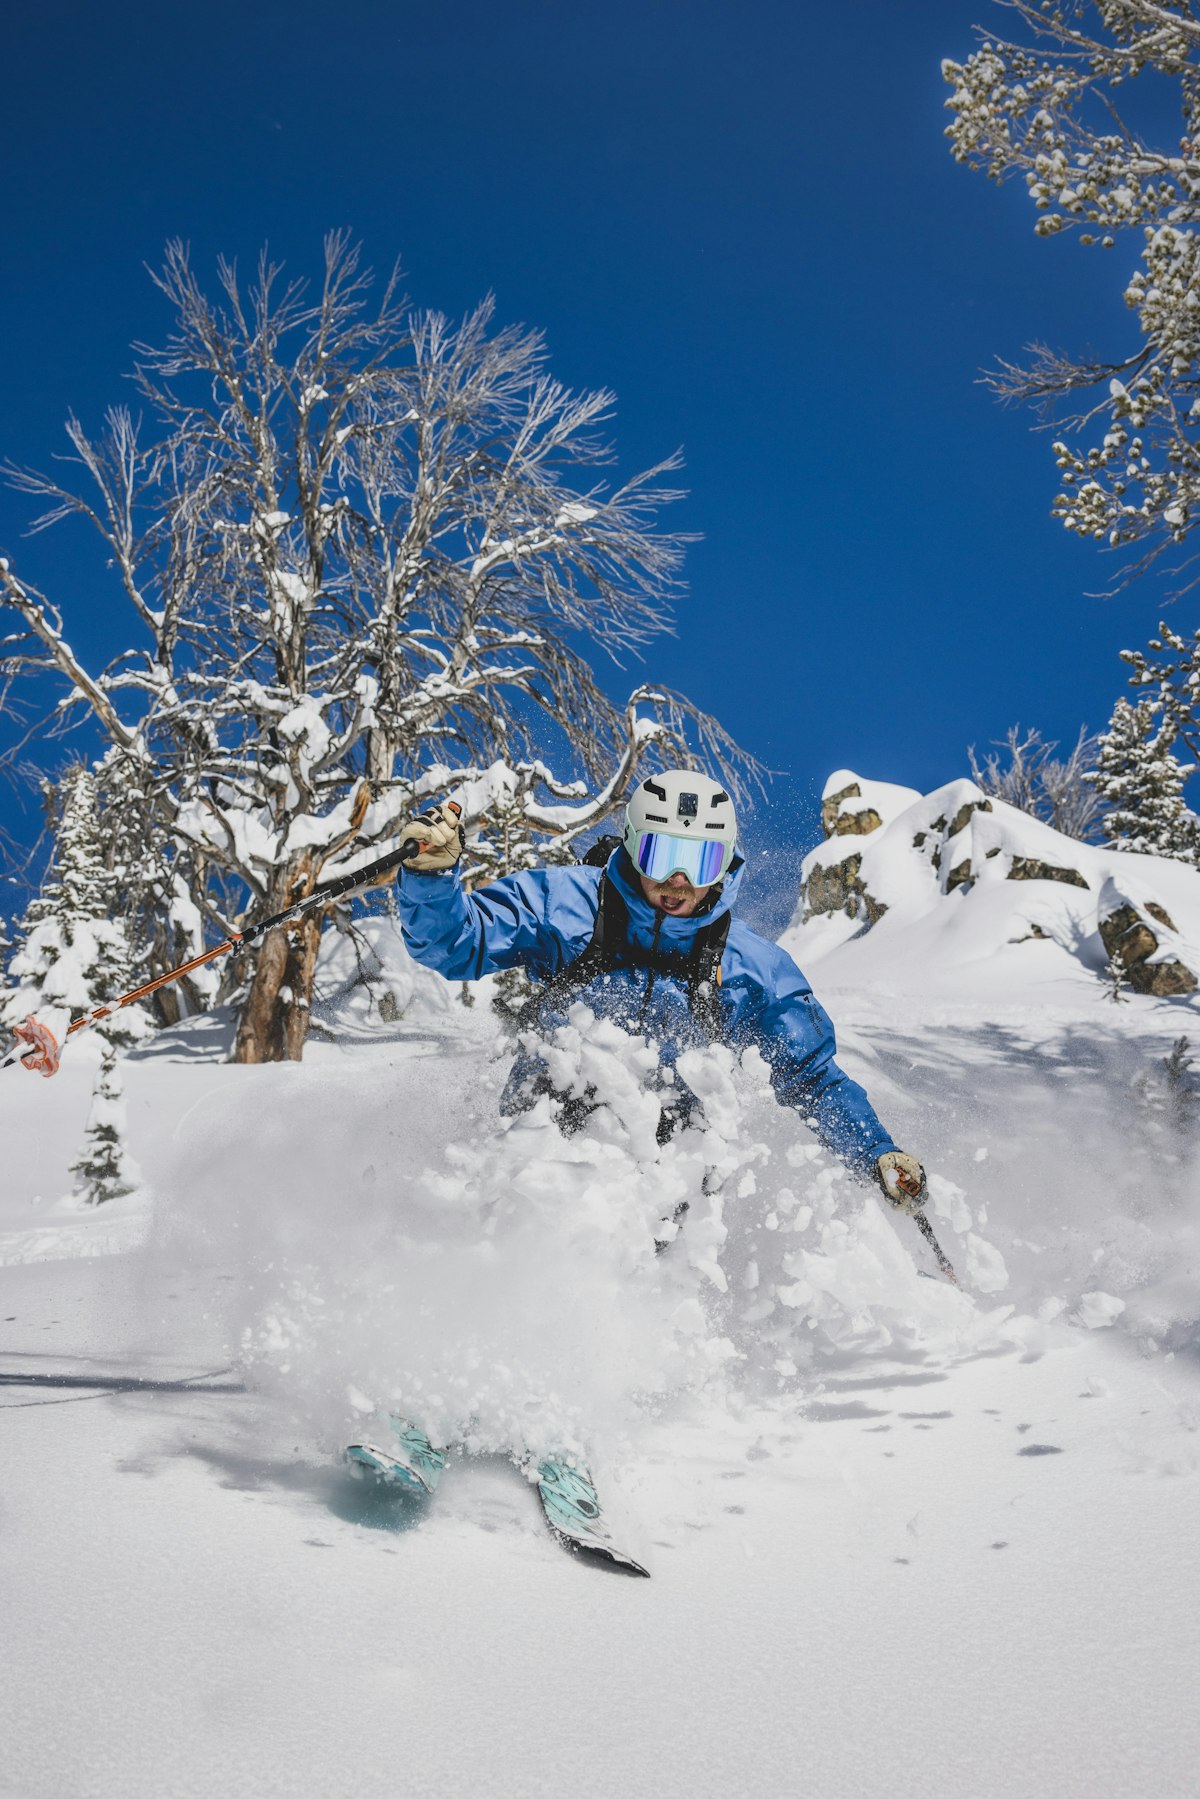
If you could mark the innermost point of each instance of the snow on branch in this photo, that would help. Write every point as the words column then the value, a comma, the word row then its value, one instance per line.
column 1049, row 111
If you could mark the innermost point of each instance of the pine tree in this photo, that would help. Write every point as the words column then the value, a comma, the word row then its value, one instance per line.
column 151, row 884
column 76, row 953
column 1117, row 970
column 75, row 950
column 1167, row 1117
column 1140, row 780
column 1170, row 665
column 104, row 1168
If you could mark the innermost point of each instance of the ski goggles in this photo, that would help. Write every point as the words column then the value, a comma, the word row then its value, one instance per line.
column 702, row 860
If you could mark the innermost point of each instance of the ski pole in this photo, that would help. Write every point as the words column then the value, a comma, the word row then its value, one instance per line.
column 943, row 1260
column 321, row 896
column 914, row 1191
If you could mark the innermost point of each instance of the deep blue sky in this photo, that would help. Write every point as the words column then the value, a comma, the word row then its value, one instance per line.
column 742, row 217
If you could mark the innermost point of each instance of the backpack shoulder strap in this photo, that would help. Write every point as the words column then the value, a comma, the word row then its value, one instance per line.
column 608, row 934
column 704, row 974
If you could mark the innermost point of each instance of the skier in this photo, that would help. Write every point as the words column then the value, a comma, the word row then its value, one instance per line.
column 647, row 939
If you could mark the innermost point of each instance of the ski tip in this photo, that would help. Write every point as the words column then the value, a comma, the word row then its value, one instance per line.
column 608, row 1556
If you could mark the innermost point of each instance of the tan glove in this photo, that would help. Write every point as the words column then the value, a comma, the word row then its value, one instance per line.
column 440, row 836
column 902, row 1179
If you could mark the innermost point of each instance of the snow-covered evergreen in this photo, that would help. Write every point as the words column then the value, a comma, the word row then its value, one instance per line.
column 74, row 950
column 1169, row 667
column 76, row 954
column 104, row 1168
column 1140, row 780
column 153, row 883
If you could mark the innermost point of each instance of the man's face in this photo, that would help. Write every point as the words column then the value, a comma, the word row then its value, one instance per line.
column 676, row 896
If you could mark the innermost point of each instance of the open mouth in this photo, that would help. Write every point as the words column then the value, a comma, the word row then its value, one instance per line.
column 671, row 902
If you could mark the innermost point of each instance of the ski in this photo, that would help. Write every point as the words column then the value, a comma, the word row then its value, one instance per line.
column 571, row 1506
column 411, row 1462
column 572, row 1509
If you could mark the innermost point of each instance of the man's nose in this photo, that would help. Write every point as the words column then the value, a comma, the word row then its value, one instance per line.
column 678, row 879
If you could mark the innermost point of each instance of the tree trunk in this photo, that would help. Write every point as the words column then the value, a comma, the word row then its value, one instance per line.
column 275, row 1017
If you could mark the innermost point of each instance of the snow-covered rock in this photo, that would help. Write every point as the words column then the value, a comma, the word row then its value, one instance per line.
column 853, row 807
column 958, row 892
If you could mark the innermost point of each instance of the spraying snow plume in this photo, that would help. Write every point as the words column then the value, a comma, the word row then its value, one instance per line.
column 400, row 1247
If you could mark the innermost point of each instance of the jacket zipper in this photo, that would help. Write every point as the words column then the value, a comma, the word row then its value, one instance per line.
column 650, row 972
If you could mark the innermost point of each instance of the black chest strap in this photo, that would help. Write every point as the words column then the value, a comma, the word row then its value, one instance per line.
column 609, row 949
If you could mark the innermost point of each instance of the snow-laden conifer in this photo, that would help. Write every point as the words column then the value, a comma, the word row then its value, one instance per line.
column 74, row 950
column 1168, row 1095
column 1169, row 669
column 1140, row 781
column 152, row 883
column 104, row 1168
column 77, row 954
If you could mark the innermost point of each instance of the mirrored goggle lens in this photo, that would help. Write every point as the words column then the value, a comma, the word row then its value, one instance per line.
column 700, row 859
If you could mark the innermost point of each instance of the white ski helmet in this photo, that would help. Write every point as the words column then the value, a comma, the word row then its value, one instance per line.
column 681, row 821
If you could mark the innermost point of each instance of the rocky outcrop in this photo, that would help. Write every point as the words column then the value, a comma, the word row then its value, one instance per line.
column 962, row 817
column 836, row 823
column 839, row 887
column 944, row 831
column 1026, row 868
column 1125, row 933
column 917, row 860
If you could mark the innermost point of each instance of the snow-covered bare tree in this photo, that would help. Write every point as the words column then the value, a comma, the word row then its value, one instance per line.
column 1054, row 110
column 1140, row 782
column 1025, row 772
column 368, row 554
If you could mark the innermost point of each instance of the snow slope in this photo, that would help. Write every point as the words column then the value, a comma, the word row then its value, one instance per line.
column 903, row 1539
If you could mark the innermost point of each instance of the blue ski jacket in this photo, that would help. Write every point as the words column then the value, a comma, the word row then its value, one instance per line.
column 543, row 919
